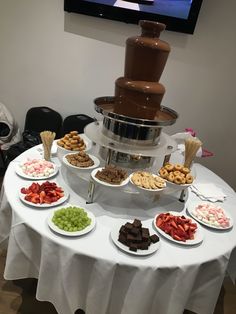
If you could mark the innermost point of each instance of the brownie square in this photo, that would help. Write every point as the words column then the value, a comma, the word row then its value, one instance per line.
column 154, row 238
column 128, row 226
column 122, row 239
column 144, row 245
column 134, row 238
column 137, row 223
column 123, row 230
column 134, row 231
column 133, row 247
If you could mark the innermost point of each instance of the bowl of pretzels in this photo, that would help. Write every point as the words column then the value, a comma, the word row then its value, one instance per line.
column 176, row 175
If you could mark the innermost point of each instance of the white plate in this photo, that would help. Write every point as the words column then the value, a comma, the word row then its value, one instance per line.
column 95, row 160
column 126, row 181
column 75, row 233
column 179, row 186
column 21, row 173
column 198, row 236
column 149, row 190
column 193, row 205
column 115, row 235
column 87, row 142
column 58, row 202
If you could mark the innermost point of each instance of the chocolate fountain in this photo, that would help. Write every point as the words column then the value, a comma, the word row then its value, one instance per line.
column 131, row 131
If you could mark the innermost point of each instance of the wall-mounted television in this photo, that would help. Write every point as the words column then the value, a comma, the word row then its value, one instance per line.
column 178, row 15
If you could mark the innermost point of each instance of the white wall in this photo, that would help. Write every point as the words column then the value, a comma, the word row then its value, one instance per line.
column 48, row 57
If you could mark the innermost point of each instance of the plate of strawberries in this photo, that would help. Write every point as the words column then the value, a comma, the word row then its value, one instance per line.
column 43, row 195
column 178, row 228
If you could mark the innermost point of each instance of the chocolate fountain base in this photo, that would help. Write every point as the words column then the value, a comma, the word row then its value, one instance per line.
column 129, row 156
column 134, row 131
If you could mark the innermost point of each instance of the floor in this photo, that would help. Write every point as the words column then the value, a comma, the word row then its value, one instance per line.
column 18, row 296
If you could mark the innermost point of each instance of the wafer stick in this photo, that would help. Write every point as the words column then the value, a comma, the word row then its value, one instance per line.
column 192, row 145
column 47, row 138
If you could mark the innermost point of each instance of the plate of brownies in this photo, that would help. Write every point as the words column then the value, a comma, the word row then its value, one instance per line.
column 135, row 239
column 81, row 160
column 111, row 176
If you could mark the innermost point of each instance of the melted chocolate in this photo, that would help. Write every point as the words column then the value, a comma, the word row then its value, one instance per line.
column 139, row 94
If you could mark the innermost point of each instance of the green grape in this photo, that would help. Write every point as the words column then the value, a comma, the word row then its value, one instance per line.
column 71, row 219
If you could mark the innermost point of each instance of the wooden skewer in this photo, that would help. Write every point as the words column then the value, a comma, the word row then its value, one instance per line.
column 47, row 138
column 192, row 145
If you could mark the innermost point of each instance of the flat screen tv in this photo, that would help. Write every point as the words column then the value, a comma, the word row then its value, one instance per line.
column 178, row 15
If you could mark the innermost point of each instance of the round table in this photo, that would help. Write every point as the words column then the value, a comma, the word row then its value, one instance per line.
column 91, row 273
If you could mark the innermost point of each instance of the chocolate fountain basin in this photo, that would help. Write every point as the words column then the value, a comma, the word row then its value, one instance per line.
column 130, row 130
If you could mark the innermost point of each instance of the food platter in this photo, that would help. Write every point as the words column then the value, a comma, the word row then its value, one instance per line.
column 59, row 202
column 19, row 171
column 198, row 236
column 177, row 176
column 192, row 206
column 114, row 236
column 44, row 205
column 93, row 175
column 94, row 158
column 87, row 142
column 145, row 189
column 75, row 233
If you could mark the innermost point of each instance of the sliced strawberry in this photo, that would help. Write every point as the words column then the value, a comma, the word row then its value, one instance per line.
column 158, row 222
column 181, row 228
column 192, row 228
column 41, row 197
column 186, row 227
column 47, row 200
column 177, row 238
column 35, row 199
column 173, row 223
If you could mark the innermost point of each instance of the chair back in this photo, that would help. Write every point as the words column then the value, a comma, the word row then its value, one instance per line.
column 40, row 119
column 76, row 122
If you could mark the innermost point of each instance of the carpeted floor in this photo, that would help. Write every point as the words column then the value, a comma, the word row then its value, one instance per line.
column 18, row 296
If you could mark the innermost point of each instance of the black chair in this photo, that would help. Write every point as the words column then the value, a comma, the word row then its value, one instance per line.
column 37, row 119
column 40, row 119
column 76, row 122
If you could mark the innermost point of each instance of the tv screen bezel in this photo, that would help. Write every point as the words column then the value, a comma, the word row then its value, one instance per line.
column 132, row 16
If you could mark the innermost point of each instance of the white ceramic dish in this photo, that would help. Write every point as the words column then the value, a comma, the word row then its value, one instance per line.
column 20, row 172
column 198, row 234
column 94, row 158
column 58, row 202
column 144, row 189
column 179, row 186
column 75, row 233
column 123, row 183
column 87, row 142
column 193, row 205
column 115, row 235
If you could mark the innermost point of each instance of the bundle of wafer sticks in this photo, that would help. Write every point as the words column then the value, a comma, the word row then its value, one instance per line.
column 192, row 145
column 47, row 138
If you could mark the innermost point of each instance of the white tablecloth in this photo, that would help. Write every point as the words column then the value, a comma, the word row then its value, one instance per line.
column 91, row 273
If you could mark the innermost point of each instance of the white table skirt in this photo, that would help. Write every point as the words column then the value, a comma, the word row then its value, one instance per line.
column 93, row 274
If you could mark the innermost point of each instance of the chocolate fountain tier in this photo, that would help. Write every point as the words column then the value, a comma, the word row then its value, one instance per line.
column 131, row 130
column 137, row 99
column 146, row 55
